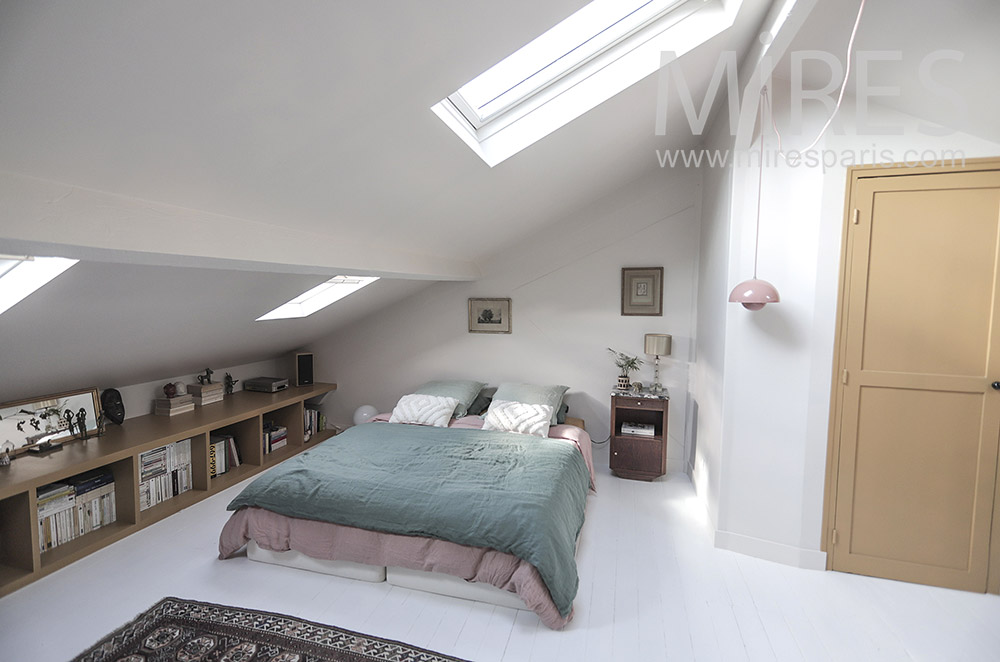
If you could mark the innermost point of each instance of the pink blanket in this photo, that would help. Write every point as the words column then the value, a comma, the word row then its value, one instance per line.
column 323, row 540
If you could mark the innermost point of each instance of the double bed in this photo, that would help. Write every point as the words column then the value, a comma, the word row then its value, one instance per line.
column 486, row 514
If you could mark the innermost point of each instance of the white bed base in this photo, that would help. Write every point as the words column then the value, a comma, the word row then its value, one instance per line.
column 421, row 580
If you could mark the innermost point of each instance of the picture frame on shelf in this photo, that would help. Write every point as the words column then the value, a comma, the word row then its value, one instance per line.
column 489, row 315
column 50, row 419
column 642, row 291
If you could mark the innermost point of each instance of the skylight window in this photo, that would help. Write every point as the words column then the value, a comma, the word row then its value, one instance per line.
column 580, row 63
column 22, row 276
column 568, row 45
column 319, row 297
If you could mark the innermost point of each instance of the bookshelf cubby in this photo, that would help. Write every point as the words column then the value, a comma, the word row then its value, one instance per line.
column 118, row 449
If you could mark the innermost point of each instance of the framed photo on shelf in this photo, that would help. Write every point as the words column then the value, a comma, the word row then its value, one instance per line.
column 50, row 418
column 489, row 316
column 642, row 291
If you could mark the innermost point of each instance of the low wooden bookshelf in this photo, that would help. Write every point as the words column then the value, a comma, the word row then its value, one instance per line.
column 118, row 449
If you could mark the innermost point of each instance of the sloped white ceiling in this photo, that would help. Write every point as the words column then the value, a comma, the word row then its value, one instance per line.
column 183, row 144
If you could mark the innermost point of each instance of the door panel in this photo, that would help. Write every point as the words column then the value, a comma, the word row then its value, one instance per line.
column 919, row 425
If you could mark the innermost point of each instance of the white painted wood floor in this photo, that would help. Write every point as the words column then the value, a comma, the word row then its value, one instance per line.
column 652, row 587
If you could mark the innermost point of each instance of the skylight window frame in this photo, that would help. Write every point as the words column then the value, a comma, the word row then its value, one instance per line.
column 678, row 31
column 20, row 281
column 319, row 297
column 653, row 25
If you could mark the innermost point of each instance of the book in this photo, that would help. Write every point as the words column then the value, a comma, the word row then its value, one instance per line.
column 217, row 457
column 176, row 401
column 205, row 389
column 173, row 411
column 202, row 400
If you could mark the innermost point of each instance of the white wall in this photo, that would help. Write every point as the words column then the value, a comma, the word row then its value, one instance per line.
column 565, row 286
column 772, row 444
column 708, row 370
column 138, row 398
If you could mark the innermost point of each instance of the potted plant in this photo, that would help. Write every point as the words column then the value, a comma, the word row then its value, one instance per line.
column 626, row 366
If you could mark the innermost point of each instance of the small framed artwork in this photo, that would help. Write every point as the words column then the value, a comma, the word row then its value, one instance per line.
column 489, row 315
column 49, row 419
column 642, row 291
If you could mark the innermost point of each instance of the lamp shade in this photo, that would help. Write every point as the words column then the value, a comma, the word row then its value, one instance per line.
column 754, row 294
column 364, row 413
column 658, row 344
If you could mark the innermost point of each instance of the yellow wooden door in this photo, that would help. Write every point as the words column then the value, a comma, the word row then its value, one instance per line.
column 919, row 420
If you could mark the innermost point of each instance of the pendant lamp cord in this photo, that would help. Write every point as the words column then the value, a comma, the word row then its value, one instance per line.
column 760, row 178
column 840, row 98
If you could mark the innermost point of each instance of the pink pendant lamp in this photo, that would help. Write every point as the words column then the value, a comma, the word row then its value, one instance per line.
column 755, row 293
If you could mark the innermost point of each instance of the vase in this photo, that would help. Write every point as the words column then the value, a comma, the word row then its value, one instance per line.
column 623, row 382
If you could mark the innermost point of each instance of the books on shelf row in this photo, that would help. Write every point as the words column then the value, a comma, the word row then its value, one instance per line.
column 164, row 472
column 75, row 507
column 223, row 454
column 275, row 437
column 313, row 423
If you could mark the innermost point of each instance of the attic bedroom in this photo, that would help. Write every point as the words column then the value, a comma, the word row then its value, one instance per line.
column 450, row 212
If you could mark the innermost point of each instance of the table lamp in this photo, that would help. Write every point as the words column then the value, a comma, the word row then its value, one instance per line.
column 657, row 344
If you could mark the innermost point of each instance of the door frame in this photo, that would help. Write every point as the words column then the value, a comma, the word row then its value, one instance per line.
column 854, row 175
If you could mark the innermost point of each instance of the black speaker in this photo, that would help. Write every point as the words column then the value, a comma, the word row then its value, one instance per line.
column 111, row 403
column 303, row 369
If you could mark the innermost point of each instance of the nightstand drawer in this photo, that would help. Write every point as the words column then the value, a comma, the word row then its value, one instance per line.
column 655, row 404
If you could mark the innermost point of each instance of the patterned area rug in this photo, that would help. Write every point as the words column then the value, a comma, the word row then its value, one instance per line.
column 189, row 631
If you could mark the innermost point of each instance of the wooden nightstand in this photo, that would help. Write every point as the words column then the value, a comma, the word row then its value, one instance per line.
column 637, row 456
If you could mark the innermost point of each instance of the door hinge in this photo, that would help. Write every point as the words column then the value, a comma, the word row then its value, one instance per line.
column 834, row 537
column 856, row 215
column 844, row 377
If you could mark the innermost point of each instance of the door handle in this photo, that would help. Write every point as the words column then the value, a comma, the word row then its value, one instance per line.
column 996, row 386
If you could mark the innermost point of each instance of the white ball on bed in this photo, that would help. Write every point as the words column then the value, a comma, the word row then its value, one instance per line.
column 364, row 413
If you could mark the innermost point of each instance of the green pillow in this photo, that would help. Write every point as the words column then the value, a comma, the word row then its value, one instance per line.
column 463, row 390
column 533, row 394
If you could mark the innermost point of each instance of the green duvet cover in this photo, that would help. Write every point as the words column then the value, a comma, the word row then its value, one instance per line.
column 514, row 493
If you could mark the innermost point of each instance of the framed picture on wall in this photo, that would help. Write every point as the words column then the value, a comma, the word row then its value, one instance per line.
column 642, row 291
column 489, row 315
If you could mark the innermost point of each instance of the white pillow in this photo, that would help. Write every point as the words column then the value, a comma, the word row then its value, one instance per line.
column 423, row 409
column 520, row 417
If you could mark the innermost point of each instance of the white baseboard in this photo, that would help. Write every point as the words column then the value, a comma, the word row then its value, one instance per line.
column 809, row 559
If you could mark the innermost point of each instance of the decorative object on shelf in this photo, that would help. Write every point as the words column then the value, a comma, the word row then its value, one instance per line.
column 637, row 387
column 207, row 377
column 230, row 383
column 642, row 291
column 626, row 366
column 364, row 413
column 755, row 293
column 489, row 316
column 657, row 344
column 181, row 387
column 37, row 420
column 169, row 390
column 112, row 407
column 7, row 448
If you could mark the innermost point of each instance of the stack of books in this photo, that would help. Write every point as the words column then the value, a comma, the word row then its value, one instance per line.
column 275, row 437
column 173, row 406
column 206, row 394
column 164, row 472
column 56, row 515
column 95, row 500
column 638, row 429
